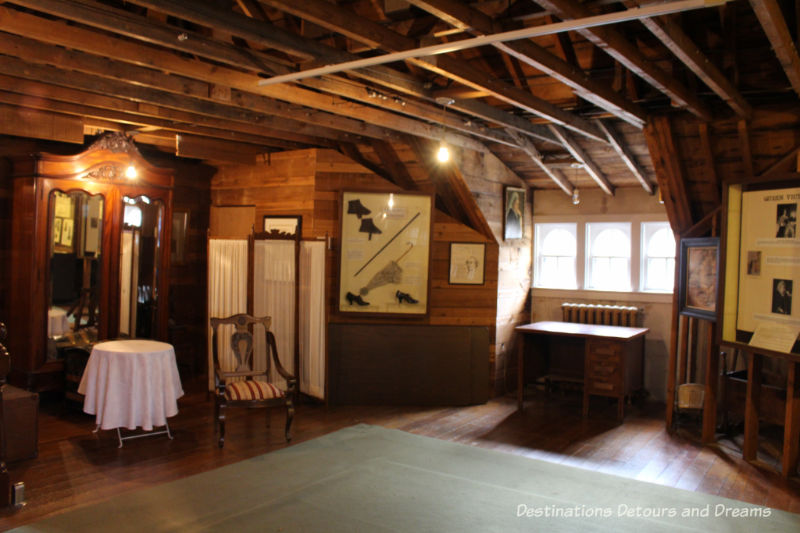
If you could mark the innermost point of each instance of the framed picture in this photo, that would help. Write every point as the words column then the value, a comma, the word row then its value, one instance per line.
column 57, row 222
column 467, row 263
column 384, row 253
column 289, row 225
column 699, row 277
column 514, row 210
column 180, row 224
column 66, row 232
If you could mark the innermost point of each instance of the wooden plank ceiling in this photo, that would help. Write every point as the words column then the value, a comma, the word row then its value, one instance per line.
column 562, row 109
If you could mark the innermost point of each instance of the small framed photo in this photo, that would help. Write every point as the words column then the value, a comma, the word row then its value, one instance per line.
column 467, row 263
column 514, row 209
column 57, row 223
column 288, row 225
column 782, row 296
column 699, row 278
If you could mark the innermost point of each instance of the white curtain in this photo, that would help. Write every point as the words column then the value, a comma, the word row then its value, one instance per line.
column 312, row 318
column 273, row 296
column 227, row 293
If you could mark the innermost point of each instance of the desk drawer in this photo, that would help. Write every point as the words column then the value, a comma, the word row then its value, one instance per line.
column 603, row 387
column 603, row 349
column 603, row 369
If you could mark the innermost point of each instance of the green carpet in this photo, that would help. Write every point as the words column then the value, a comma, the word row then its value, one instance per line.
column 370, row 479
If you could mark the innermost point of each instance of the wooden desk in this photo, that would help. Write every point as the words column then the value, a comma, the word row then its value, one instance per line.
column 613, row 358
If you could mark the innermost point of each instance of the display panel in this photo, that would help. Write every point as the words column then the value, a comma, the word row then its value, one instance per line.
column 384, row 253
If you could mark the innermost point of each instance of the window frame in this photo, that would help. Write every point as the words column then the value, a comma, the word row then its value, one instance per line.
column 589, row 242
column 643, row 257
column 635, row 294
column 572, row 227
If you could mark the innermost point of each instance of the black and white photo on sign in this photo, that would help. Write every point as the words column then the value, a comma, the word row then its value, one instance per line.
column 782, row 296
column 754, row 263
column 786, row 221
column 514, row 213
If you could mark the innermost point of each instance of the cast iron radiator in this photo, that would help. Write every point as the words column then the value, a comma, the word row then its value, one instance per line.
column 609, row 315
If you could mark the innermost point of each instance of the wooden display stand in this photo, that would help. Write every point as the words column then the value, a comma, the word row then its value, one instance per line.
column 759, row 217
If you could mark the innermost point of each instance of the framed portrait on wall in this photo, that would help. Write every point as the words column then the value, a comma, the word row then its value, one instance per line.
column 699, row 275
column 467, row 263
column 384, row 260
column 514, row 213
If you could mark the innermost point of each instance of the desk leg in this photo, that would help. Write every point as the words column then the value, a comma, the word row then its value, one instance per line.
column 791, row 430
column 520, row 371
column 751, row 407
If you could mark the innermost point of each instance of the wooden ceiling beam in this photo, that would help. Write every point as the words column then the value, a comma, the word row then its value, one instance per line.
column 771, row 18
column 745, row 148
column 582, row 157
column 336, row 113
column 149, row 101
column 708, row 158
column 342, row 21
column 669, row 172
column 621, row 147
column 61, row 34
column 617, row 46
column 552, row 173
column 135, row 27
column 675, row 39
column 464, row 16
column 202, row 126
column 393, row 164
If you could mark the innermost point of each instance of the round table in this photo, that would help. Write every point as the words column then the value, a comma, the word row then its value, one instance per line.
column 131, row 383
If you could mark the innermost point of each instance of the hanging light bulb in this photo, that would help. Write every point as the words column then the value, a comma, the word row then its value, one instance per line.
column 131, row 172
column 576, row 198
column 443, row 154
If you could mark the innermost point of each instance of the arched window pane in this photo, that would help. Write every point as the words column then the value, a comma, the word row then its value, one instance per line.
column 559, row 242
column 611, row 243
column 661, row 244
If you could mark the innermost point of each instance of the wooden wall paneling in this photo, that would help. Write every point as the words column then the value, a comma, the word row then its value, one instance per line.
column 309, row 182
column 188, row 279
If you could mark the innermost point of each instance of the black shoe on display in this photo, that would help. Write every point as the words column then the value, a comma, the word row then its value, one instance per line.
column 355, row 298
column 367, row 226
column 405, row 297
column 354, row 207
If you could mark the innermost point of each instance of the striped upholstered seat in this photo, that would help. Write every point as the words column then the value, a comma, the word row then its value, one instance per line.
column 252, row 390
column 236, row 380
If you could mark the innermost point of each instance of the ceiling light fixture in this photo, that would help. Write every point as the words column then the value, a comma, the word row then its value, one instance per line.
column 131, row 173
column 443, row 154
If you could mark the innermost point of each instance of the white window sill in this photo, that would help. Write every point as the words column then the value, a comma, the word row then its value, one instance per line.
column 611, row 296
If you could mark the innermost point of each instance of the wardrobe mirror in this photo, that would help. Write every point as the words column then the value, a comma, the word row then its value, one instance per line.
column 76, row 239
column 140, row 250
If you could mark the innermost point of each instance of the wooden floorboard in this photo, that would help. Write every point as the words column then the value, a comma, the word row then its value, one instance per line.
column 76, row 467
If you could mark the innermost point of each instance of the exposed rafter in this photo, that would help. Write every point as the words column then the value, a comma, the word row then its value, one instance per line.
column 554, row 174
column 771, row 18
column 675, row 39
column 583, row 157
column 621, row 147
column 341, row 20
column 618, row 47
column 465, row 17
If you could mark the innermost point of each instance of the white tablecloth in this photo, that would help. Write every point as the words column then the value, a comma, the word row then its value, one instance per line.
column 131, row 383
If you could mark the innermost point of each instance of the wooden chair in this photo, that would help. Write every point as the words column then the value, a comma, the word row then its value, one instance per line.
column 237, row 384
